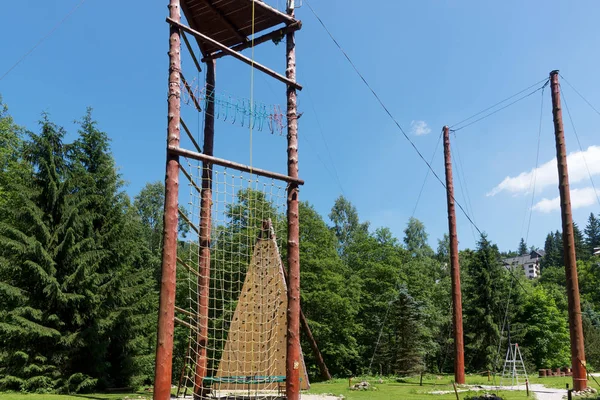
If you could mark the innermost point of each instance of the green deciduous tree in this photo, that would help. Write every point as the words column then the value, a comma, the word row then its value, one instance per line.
column 545, row 336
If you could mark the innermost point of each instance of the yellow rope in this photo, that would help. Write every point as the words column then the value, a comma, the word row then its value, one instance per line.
column 252, row 88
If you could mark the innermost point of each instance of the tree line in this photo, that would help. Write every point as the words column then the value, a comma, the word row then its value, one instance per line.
column 80, row 270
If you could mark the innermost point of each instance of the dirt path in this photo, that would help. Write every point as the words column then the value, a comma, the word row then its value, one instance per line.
column 541, row 392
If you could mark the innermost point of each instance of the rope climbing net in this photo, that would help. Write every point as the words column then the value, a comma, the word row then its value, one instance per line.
column 232, row 294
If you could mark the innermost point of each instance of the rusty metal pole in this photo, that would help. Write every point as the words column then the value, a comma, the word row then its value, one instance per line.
column 166, row 313
column 205, row 232
column 575, row 325
column 459, row 351
column 293, row 356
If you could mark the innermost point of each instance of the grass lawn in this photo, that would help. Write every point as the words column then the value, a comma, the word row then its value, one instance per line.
column 388, row 389
column 409, row 388
column 92, row 396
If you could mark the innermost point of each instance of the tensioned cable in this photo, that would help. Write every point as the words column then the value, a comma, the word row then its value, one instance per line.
column 399, row 126
column 498, row 103
column 426, row 175
column 387, row 311
column 460, row 173
column 387, row 111
column 464, row 177
column 499, row 109
column 335, row 173
column 537, row 162
column 46, row 36
column 579, row 94
column 580, row 147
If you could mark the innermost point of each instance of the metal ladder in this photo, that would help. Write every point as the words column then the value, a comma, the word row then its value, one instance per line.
column 513, row 365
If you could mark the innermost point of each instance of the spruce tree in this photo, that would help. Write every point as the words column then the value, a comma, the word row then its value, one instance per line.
column 592, row 234
column 522, row 247
column 487, row 284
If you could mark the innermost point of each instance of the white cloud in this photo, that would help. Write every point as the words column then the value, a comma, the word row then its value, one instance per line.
column 579, row 198
column 547, row 175
column 419, row 128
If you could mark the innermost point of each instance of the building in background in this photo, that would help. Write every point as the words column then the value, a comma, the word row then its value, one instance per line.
column 529, row 262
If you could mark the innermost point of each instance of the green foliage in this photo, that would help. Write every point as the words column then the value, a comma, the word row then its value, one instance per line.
column 545, row 335
column 487, row 283
column 75, row 289
column 592, row 234
column 522, row 247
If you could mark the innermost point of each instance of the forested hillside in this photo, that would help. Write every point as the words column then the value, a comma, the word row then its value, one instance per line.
column 80, row 264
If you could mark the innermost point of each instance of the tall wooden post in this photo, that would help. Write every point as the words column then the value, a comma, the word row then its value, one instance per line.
column 575, row 325
column 293, row 357
column 166, row 314
column 205, row 232
column 459, row 351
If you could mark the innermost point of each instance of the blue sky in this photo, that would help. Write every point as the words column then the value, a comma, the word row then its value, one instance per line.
column 433, row 63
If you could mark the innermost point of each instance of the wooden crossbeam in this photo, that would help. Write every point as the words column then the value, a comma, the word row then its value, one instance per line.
column 235, row 54
column 265, row 6
column 230, row 164
column 276, row 34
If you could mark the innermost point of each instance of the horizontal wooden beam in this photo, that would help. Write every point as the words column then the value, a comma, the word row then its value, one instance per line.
column 278, row 33
column 235, row 54
column 230, row 164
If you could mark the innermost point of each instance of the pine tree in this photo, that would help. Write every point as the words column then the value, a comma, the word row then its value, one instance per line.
column 522, row 247
column 483, row 310
column 580, row 247
column 124, row 278
column 592, row 234
column 77, row 292
column 39, row 248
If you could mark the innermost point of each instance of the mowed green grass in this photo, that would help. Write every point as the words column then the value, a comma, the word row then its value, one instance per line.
column 388, row 389
column 93, row 396
column 409, row 388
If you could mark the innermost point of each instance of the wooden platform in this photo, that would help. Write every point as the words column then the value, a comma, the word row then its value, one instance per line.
column 230, row 21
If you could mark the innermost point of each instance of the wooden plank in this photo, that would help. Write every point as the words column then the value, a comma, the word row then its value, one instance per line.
column 235, row 54
column 226, row 20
